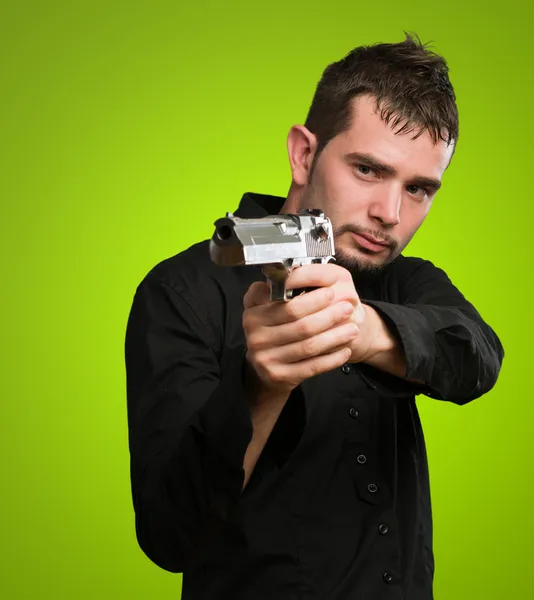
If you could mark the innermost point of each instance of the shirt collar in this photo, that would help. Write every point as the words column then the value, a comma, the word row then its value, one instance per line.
column 254, row 205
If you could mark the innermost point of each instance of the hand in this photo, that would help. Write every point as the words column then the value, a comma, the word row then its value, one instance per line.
column 374, row 343
column 289, row 342
column 372, row 335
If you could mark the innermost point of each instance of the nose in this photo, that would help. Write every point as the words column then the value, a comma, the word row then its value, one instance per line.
column 386, row 204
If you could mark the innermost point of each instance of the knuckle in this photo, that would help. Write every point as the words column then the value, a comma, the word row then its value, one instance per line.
column 305, row 328
column 251, row 358
column 292, row 310
column 315, row 368
column 248, row 297
column 253, row 342
column 347, row 300
column 309, row 347
column 254, row 294
column 349, row 331
column 345, row 307
column 339, row 313
column 249, row 322
column 276, row 376
column 261, row 361
column 263, row 373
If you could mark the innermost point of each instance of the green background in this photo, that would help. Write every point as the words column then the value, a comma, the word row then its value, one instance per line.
column 127, row 128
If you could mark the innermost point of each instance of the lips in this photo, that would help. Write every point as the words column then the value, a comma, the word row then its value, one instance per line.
column 373, row 240
column 369, row 243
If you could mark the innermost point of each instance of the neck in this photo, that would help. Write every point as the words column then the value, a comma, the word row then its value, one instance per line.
column 292, row 203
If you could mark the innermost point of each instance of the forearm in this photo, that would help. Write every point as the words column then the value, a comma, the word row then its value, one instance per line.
column 449, row 352
column 265, row 409
column 387, row 353
column 186, row 481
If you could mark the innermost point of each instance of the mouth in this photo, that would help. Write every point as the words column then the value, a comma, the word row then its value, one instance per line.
column 370, row 243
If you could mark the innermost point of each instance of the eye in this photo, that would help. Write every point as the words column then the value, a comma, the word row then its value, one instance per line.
column 417, row 191
column 365, row 170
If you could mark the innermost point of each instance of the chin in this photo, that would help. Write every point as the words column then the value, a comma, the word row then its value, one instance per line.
column 359, row 262
column 356, row 262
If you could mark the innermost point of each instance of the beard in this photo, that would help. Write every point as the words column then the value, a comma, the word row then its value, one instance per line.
column 362, row 271
column 358, row 265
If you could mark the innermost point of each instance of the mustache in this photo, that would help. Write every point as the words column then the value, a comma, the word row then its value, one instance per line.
column 375, row 233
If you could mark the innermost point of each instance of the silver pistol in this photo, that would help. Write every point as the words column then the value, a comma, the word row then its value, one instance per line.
column 277, row 243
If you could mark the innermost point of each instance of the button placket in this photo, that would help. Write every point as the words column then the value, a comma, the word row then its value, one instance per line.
column 391, row 566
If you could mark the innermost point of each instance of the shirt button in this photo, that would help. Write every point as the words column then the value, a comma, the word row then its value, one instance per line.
column 362, row 459
column 383, row 528
column 372, row 488
column 353, row 412
column 387, row 577
column 346, row 369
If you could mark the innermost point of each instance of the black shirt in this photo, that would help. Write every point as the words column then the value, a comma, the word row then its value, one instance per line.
column 338, row 506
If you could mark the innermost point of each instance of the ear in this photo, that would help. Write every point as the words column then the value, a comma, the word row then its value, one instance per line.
column 301, row 147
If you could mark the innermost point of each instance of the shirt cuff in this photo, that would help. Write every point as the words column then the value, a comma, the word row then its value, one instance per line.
column 417, row 339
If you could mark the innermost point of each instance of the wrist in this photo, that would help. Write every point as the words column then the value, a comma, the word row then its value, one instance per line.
column 258, row 393
column 381, row 339
column 384, row 351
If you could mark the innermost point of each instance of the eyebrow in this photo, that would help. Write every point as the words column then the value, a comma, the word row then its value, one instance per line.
column 372, row 162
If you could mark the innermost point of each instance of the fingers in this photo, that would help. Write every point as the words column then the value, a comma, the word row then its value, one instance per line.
column 322, row 276
column 289, row 342
column 318, row 275
column 305, row 328
column 322, row 343
column 279, row 313
column 257, row 294
column 290, row 375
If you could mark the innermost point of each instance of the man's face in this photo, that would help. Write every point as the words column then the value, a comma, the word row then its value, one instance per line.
column 375, row 186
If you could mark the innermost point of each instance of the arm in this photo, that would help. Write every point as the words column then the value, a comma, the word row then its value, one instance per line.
column 189, row 427
column 436, row 338
column 387, row 351
column 265, row 409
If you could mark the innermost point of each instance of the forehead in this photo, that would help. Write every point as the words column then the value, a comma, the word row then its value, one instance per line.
column 369, row 134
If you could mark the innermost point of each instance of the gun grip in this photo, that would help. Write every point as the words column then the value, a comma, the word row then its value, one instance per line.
column 279, row 293
column 277, row 275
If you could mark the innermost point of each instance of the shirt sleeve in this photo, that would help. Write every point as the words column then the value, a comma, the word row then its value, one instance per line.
column 446, row 342
column 189, row 426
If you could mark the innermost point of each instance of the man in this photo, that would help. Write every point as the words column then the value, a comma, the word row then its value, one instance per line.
column 276, row 448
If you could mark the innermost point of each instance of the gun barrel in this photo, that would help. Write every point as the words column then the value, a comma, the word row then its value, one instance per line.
column 239, row 241
column 276, row 242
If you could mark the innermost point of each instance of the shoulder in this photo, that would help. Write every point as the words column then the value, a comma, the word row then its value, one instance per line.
column 404, row 268
column 187, row 272
column 194, row 275
column 413, row 280
column 412, row 277
column 214, row 294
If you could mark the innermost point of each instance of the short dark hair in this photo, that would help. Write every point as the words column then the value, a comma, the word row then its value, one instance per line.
column 410, row 83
